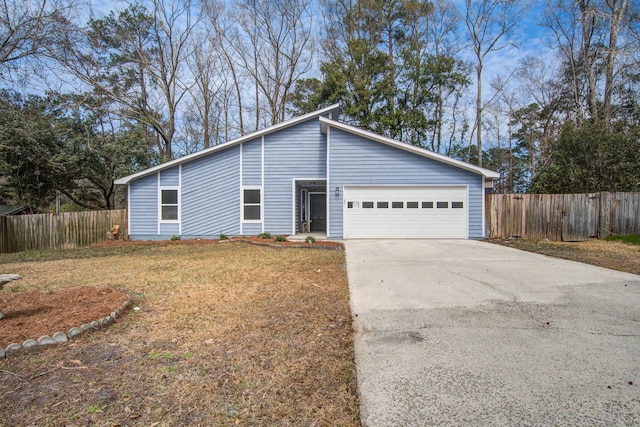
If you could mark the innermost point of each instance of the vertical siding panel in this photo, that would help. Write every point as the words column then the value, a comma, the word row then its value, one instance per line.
column 252, row 162
column 211, row 195
column 170, row 177
column 143, row 195
column 295, row 152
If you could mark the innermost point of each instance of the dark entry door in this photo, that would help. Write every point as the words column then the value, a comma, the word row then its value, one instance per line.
column 318, row 211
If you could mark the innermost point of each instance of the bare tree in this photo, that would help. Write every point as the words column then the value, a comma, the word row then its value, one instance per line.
column 29, row 28
column 205, row 66
column 441, row 28
column 616, row 11
column 226, row 35
column 137, row 59
column 274, row 45
column 587, row 34
column 489, row 24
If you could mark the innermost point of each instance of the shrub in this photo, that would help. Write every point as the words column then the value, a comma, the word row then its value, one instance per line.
column 264, row 235
column 310, row 239
column 280, row 238
column 224, row 236
column 175, row 237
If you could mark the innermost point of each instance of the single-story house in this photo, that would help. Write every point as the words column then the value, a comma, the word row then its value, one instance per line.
column 310, row 174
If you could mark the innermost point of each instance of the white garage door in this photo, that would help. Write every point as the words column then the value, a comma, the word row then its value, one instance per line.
column 438, row 212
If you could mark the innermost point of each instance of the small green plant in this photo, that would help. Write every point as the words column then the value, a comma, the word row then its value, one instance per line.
column 16, row 288
column 175, row 238
column 93, row 409
column 188, row 355
column 163, row 355
column 280, row 238
column 224, row 236
column 170, row 369
column 264, row 235
column 310, row 239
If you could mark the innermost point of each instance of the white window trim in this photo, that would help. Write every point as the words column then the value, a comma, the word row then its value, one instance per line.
column 241, row 213
column 252, row 187
column 328, row 187
column 261, row 182
column 168, row 221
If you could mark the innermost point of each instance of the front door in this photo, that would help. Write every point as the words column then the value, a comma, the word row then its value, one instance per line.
column 318, row 211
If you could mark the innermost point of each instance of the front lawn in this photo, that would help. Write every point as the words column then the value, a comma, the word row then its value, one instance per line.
column 226, row 334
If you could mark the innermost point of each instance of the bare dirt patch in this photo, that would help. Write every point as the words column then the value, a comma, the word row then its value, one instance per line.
column 226, row 334
column 38, row 313
column 609, row 254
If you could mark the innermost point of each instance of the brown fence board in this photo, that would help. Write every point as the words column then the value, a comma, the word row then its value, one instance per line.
column 61, row 231
column 568, row 217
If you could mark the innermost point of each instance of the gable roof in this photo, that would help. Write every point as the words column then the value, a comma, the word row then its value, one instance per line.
column 486, row 173
column 332, row 111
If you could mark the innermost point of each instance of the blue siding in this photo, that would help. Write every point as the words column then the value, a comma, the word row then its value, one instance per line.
column 169, row 229
column 252, row 162
column 143, row 206
column 170, row 177
column 211, row 195
column 296, row 152
column 251, row 229
column 356, row 160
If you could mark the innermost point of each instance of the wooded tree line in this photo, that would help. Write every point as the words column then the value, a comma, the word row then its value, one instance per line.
column 88, row 96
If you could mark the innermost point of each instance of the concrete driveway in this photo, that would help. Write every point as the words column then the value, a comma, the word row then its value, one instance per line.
column 469, row 333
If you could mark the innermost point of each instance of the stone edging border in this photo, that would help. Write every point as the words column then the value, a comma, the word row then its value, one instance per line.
column 295, row 246
column 61, row 337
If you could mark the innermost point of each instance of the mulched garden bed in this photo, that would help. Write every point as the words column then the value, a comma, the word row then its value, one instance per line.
column 30, row 315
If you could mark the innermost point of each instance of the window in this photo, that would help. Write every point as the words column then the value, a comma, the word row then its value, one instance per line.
column 168, row 205
column 397, row 205
column 442, row 205
column 383, row 205
column 457, row 205
column 367, row 205
column 352, row 205
column 427, row 205
column 251, row 204
column 412, row 205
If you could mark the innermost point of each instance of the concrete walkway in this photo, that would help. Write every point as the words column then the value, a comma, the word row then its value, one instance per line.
column 469, row 333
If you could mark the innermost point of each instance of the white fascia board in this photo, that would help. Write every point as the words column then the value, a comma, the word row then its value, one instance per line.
column 410, row 148
column 332, row 111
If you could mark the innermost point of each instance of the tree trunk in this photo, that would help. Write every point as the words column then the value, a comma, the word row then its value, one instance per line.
column 588, row 18
column 617, row 11
column 479, row 112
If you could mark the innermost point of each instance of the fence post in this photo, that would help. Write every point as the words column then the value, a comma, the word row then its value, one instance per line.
column 605, row 215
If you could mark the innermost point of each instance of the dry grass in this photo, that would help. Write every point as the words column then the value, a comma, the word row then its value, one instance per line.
column 227, row 334
column 604, row 253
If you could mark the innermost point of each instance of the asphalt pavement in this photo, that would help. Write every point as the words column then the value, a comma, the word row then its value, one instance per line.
column 458, row 332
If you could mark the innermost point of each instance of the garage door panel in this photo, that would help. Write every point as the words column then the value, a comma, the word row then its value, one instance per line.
column 426, row 220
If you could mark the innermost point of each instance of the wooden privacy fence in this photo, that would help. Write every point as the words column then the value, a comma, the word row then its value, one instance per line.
column 58, row 231
column 562, row 217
